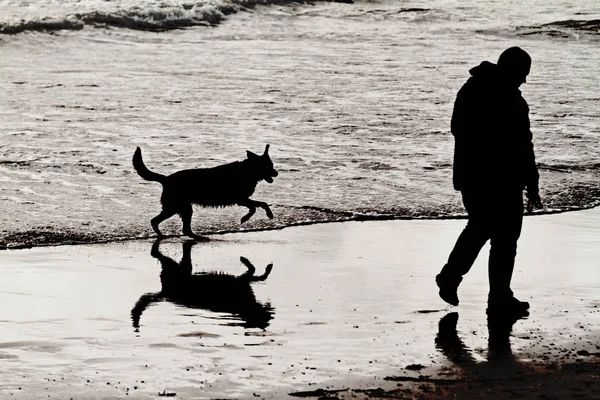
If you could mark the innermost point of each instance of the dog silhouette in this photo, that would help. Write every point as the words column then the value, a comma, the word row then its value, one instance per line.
column 221, row 186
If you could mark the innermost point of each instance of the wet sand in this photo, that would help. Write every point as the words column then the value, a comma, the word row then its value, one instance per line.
column 350, row 308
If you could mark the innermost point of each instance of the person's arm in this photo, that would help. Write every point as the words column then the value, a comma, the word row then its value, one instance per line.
column 532, row 175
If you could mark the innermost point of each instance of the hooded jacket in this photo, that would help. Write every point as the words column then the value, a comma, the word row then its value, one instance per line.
column 493, row 144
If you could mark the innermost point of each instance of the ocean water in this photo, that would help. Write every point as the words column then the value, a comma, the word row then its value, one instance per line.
column 354, row 98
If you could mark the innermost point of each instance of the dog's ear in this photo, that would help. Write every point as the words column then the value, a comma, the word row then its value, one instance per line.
column 266, row 153
column 251, row 155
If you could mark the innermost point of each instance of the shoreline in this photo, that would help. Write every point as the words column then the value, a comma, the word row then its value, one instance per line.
column 356, row 217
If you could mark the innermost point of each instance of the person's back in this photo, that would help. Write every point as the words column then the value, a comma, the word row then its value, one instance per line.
column 490, row 124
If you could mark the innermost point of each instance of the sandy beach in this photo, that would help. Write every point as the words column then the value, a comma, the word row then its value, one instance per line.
column 349, row 310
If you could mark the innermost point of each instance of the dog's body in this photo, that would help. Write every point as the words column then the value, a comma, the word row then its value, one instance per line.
column 221, row 186
column 213, row 291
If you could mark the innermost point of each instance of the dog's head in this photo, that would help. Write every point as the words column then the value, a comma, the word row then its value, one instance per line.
column 263, row 165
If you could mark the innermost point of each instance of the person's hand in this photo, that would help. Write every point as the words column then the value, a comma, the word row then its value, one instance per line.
column 533, row 199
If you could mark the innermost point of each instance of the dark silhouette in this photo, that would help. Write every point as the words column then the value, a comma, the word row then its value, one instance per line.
column 221, row 186
column 211, row 291
column 500, row 360
column 494, row 162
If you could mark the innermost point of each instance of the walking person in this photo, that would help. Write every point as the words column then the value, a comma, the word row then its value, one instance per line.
column 494, row 162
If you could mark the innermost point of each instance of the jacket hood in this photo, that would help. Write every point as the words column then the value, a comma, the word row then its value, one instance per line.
column 488, row 75
column 485, row 70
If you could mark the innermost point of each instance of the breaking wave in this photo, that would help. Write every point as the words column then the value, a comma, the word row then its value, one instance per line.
column 154, row 19
column 567, row 29
column 157, row 20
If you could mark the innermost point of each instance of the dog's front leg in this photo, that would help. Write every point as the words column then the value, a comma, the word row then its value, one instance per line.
column 251, row 210
column 252, row 204
column 250, row 272
column 263, row 276
column 249, row 275
column 265, row 207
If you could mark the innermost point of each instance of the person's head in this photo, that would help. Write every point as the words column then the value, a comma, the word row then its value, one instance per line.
column 514, row 65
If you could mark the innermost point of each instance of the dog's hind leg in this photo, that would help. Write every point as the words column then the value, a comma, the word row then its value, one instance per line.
column 165, row 214
column 186, row 259
column 185, row 212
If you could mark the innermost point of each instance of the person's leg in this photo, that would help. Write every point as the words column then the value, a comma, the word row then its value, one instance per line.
column 467, row 247
column 505, row 234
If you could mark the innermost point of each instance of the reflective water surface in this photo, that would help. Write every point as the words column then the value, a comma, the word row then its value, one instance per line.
column 341, row 302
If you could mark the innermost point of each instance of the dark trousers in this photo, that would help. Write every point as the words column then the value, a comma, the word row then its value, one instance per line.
column 496, row 216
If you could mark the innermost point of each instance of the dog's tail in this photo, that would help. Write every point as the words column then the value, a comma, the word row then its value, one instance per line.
column 143, row 171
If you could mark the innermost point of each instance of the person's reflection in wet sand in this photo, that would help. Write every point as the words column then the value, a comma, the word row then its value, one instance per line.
column 500, row 364
column 213, row 291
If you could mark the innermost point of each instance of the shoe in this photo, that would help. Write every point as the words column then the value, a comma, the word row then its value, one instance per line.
column 448, row 288
column 509, row 308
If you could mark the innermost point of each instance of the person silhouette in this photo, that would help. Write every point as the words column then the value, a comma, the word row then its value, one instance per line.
column 494, row 162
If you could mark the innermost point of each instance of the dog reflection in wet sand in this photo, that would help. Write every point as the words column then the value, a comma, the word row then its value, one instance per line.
column 212, row 291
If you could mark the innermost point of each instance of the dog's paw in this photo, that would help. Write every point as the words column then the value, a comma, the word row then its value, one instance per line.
column 244, row 219
column 269, row 214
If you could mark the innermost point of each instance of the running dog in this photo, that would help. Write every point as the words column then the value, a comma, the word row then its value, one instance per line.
column 221, row 186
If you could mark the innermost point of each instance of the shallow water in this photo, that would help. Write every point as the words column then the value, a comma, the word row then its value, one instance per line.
column 355, row 100
column 345, row 301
